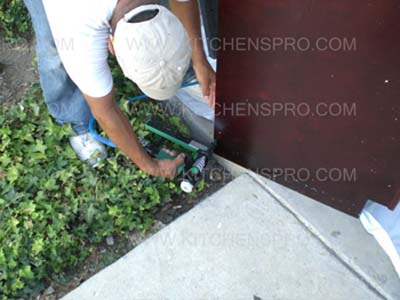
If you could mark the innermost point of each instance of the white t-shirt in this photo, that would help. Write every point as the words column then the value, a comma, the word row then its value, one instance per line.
column 81, row 31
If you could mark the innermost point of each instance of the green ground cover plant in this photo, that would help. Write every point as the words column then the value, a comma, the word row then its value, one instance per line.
column 14, row 21
column 53, row 207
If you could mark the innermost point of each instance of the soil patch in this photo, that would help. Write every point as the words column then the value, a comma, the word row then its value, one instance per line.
column 17, row 70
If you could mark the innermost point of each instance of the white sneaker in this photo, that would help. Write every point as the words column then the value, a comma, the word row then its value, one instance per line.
column 88, row 148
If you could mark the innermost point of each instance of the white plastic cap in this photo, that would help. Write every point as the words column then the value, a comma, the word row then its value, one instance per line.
column 186, row 186
column 155, row 54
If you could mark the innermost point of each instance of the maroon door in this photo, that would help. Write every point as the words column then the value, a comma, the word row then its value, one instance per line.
column 309, row 95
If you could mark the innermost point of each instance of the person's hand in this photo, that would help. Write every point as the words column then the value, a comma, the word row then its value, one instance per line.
column 206, row 77
column 111, row 46
column 166, row 168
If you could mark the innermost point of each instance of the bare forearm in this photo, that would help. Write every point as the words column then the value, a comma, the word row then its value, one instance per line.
column 119, row 130
column 189, row 15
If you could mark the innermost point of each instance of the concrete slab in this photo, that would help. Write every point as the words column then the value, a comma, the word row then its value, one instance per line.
column 342, row 234
column 240, row 243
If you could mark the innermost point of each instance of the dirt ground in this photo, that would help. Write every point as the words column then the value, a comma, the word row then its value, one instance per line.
column 17, row 70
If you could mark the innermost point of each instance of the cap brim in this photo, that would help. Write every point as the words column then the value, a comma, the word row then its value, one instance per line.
column 159, row 94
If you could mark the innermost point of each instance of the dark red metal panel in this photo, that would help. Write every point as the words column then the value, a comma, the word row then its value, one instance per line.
column 341, row 113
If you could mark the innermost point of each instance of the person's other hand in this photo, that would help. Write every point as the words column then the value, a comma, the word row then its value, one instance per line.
column 111, row 46
column 207, row 79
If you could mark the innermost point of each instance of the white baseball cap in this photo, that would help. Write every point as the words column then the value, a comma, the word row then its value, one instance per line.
column 155, row 54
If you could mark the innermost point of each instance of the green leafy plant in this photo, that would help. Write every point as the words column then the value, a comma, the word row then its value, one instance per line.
column 14, row 20
column 53, row 207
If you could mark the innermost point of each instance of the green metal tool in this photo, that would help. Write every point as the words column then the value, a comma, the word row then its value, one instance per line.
column 195, row 161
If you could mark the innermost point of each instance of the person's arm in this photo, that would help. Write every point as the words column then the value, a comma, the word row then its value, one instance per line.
column 189, row 15
column 116, row 125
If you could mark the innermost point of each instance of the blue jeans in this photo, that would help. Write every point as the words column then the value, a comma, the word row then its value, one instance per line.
column 63, row 98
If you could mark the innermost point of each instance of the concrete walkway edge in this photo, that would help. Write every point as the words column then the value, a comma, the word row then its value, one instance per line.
column 239, row 243
column 330, row 246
